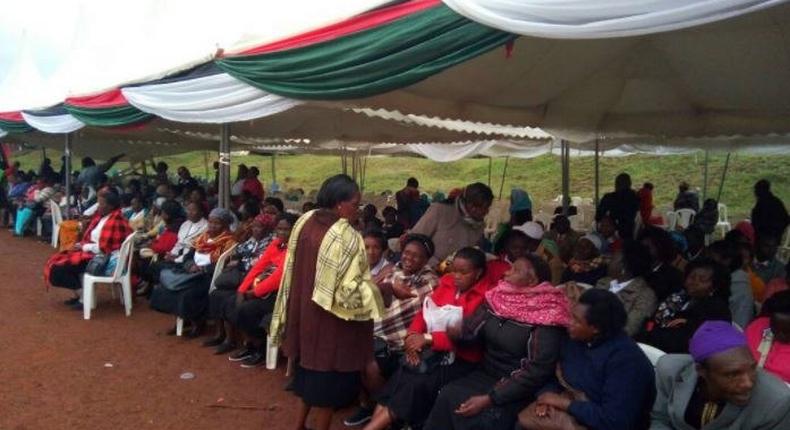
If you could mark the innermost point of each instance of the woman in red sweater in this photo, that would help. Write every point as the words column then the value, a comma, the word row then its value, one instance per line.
column 250, row 310
column 431, row 358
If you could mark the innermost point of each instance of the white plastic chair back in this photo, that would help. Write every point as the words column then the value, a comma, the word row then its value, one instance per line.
column 652, row 353
column 685, row 217
column 57, row 218
column 672, row 220
column 220, row 266
column 723, row 215
column 121, row 275
column 784, row 250
column 125, row 254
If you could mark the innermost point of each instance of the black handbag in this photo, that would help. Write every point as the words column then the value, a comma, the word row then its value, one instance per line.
column 97, row 265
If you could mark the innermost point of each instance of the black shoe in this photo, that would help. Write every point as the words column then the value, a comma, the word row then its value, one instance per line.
column 361, row 416
column 224, row 348
column 257, row 359
column 71, row 301
column 195, row 332
column 214, row 341
column 242, row 355
column 76, row 306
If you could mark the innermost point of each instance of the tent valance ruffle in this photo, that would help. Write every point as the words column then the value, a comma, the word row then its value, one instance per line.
column 12, row 122
column 108, row 109
column 53, row 120
column 200, row 97
column 579, row 19
column 373, row 61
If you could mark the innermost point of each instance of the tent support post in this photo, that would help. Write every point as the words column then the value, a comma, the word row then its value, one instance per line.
column 705, row 178
column 274, row 167
column 224, row 166
column 723, row 176
column 597, row 172
column 205, row 166
column 67, row 169
column 490, row 166
column 566, row 198
column 504, row 173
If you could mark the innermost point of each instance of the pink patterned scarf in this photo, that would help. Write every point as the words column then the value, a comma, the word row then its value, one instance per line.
column 542, row 304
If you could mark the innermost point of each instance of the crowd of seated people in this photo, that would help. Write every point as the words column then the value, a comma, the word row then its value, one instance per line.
column 419, row 319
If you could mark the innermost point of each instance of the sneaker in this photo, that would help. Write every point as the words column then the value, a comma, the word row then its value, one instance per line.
column 257, row 359
column 242, row 355
column 361, row 416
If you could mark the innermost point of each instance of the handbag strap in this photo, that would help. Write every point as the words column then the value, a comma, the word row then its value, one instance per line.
column 764, row 348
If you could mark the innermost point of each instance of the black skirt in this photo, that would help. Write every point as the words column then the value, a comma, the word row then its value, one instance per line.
column 253, row 316
column 190, row 303
column 326, row 389
column 443, row 416
column 222, row 305
column 67, row 275
column 410, row 396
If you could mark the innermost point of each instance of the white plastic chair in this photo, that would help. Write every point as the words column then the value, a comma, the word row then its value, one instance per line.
column 57, row 218
column 672, row 220
column 724, row 220
column 784, row 250
column 121, row 275
column 685, row 217
column 652, row 353
column 218, row 268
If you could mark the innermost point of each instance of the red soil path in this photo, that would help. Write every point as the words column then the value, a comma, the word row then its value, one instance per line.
column 54, row 369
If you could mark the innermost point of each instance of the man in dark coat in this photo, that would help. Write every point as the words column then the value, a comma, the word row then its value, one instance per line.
column 621, row 205
column 769, row 216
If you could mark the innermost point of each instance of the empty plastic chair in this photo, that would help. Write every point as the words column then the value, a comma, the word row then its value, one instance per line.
column 724, row 220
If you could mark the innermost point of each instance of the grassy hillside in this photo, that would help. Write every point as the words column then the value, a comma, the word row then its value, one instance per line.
column 540, row 176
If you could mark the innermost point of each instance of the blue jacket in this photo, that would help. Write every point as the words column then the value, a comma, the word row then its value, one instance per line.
column 615, row 376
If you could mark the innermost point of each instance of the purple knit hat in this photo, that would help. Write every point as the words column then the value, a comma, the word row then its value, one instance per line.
column 713, row 337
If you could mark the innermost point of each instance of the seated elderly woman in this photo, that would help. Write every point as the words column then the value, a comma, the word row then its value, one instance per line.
column 521, row 325
column 431, row 358
column 189, row 230
column 729, row 256
column 403, row 290
column 104, row 235
column 250, row 308
column 769, row 336
column 512, row 246
column 587, row 266
column 241, row 260
column 705, row 298
column 627, row 282
column 183, row 288
column 718, row 386
column 603, row 380
column 156, row 249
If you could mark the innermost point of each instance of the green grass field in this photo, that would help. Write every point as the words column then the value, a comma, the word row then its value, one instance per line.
column 540, row 176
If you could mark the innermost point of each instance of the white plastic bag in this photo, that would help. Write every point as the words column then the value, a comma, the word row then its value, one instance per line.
column 438, row 318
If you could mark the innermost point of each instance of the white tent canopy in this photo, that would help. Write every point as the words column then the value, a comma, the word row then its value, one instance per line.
column 726, row 78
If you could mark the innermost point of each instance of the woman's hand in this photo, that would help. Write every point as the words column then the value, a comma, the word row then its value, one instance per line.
column 677, row 323
column 474, row 405
column 412, row 358
column 194, row 268
column 170, row 257
column 232, row 263
column 415, row 342
column 554, row 400
column 76, row 247
column 402, row 290
column 240, row 297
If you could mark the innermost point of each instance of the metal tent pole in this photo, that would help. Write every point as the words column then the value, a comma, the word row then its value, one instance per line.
column 274, row 167
column 705, row 178
column 224, row 166
column 490, row 166
column 502, row 184
column 566, row 198
column 67, row 169
column 597, row 171
column 723, row 176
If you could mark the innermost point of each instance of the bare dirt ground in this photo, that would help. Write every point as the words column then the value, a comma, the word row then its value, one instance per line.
column 58, row 371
